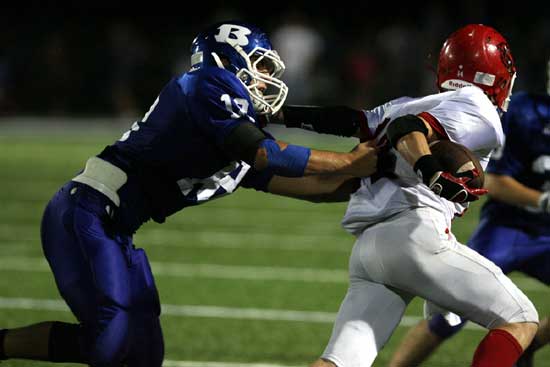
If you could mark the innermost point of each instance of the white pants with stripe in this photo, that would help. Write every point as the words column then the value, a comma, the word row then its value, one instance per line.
column 413, row 254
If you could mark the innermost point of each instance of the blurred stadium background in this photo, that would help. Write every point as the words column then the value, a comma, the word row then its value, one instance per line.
column 251, row 278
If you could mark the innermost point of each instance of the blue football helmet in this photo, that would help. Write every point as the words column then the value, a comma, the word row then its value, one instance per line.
column 246, row 51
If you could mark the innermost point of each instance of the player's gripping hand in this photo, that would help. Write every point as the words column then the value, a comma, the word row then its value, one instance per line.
column 445, row 184
column 454, row 188
column 364, row 158
column 544, row 202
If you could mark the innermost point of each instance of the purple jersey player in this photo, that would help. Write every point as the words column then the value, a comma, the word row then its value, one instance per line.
column 200, row 140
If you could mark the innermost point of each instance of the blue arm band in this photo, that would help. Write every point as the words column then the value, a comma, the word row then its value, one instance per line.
column 290, row 162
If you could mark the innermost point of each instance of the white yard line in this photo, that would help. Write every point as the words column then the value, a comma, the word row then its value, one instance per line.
column 206, row 311
column 215, row 271
column 252, row 240
column 196, row 238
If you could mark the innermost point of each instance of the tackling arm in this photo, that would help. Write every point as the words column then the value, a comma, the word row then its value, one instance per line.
column 334, row 120
column 317, row 189
column 248, row 143
column 295, row 161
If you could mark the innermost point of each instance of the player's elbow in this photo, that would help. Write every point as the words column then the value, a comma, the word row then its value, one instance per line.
column 260, row 159
column 268, row 150
column 281, row 158
column 403, row 126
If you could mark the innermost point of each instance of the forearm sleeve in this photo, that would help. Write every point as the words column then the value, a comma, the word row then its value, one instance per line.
column 288, row 162
column 404, row 125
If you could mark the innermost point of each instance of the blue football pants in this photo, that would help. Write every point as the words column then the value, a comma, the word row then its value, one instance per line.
column 106, row 282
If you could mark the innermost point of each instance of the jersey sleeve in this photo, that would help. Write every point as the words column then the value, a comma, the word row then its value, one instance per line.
column 467, row 117
column 220, row 103
column 508, row 159
column 258, row 180
column 376, row 118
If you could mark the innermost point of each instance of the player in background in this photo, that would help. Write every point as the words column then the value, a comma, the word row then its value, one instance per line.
column 402, row 218
column 200, row 140
column 514, row 230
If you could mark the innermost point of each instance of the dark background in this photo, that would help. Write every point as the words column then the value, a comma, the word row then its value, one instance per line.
column 111, row 59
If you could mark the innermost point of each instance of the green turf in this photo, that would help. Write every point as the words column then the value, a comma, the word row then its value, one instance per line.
column 212, row 251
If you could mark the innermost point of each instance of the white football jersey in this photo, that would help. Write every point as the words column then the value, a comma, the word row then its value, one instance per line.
column 467, row 116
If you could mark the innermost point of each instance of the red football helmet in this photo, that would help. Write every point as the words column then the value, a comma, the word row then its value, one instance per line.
column 477, row 55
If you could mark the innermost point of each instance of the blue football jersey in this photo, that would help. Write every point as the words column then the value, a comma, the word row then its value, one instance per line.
column 174, row 156
column 525, row 156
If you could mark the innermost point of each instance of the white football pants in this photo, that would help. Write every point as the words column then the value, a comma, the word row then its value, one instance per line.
column 413, row 254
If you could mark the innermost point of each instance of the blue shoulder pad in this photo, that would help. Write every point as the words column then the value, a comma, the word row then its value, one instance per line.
column 218, row 101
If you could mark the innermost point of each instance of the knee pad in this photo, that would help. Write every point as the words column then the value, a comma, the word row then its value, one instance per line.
column 440, row 327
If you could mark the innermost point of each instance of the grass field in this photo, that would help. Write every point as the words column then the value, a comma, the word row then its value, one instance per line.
column 249, row 279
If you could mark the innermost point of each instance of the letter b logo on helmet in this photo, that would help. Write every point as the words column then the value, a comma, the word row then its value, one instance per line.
column 233, row 34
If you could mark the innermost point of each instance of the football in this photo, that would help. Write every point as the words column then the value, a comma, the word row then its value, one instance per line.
column 456, row 158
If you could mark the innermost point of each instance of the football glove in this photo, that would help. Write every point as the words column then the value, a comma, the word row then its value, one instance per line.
column 445, row 184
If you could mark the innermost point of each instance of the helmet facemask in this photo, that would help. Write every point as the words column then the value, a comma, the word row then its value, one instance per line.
column 258, row 61
column 506, row 101
column 265, row 66
column 508, row 62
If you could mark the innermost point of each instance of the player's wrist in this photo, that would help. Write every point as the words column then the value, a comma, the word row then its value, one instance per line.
column 346, row 163
column 426, row 167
